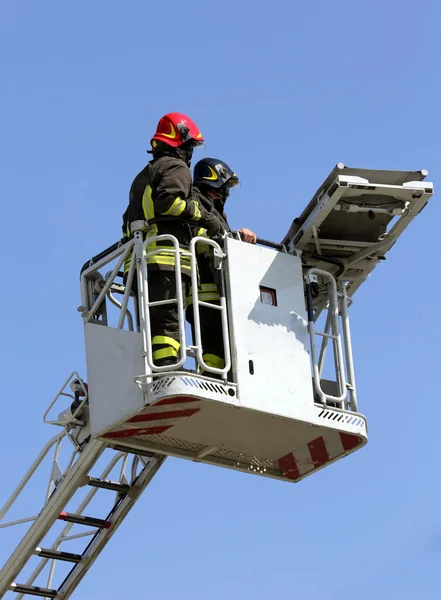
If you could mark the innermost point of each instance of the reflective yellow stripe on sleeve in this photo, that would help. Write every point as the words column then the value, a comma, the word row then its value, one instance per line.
column 147, row 203
column 197, row 211
column 176, row 208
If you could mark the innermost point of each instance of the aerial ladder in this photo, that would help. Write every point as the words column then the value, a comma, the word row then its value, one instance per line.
column 284, row 405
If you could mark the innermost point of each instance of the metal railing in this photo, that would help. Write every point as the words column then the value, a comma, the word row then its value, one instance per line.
column 175, row 252
column 221, row 307
column 337, row 306
column 97, row 289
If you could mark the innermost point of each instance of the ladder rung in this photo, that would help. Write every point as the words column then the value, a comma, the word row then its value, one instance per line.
column 33, row 590
column 326, row 335
column 58, row 555
column 109, row 485
column 82, row 520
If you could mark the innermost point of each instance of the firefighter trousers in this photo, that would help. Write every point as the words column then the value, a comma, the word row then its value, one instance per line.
column 164, row 320
column 211, row 326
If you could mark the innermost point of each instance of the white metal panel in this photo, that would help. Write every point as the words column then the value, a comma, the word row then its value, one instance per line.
column 114, row 359
column 273, row 337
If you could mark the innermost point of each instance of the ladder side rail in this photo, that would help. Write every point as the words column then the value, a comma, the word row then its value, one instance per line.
column 49, row 515
column 347, row 340
column 64, row 536
column 98, row 543
column 143, row 291
column 37, row 462
column 52, row 484
column 197, row 303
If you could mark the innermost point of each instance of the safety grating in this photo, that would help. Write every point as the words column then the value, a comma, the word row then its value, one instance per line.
column 340, row 417
column 161, row 384
column 208, row 385
column 165, row 385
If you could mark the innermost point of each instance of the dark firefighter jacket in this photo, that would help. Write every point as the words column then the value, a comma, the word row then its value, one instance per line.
column 208, row 290
column 163, row 189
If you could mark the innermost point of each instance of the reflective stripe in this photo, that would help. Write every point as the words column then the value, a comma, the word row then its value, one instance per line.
column 147, row 203
column 176, row 208
column 211, row 360
column 151, row 246
column 207, row 297
column 149, row 213
column 206, row 287
column 201, row 247
column 164, row 339
column 166, row 259
column 161, row 259
column 208, row 293
column 164, row 353
column 166, row 256
column 196, row 211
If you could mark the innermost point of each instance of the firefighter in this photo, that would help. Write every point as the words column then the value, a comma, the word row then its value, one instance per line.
column 164, row 189
column 212, row 181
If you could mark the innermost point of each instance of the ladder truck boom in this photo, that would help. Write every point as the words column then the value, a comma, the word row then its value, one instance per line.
column 284, row 405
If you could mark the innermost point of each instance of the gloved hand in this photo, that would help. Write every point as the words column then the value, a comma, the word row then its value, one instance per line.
column 213, row 225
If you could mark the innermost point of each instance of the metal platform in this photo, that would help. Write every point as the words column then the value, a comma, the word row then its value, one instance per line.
column 262, row 412
column 191, row 417
column 354, row 219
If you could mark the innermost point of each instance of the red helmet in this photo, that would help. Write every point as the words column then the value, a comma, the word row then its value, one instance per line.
column 175, row 129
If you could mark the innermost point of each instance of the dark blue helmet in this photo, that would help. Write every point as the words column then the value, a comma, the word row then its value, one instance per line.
column 215, row 173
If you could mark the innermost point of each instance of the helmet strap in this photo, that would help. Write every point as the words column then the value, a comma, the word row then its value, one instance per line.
column 185, row 153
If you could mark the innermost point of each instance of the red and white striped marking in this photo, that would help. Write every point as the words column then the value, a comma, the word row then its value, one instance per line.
column 158, row 418
column 317, row 453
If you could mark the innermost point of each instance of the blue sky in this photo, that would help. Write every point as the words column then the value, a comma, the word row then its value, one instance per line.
column 282, row 91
